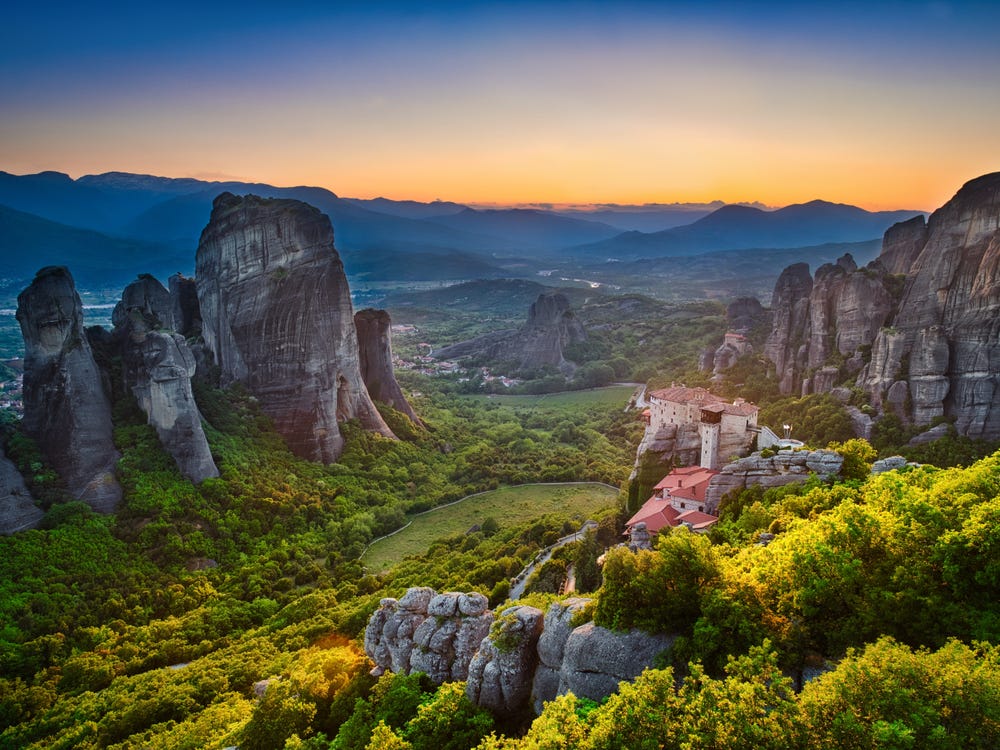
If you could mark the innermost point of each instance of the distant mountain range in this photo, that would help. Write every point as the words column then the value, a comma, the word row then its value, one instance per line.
column 738, row 227
column 113, row 225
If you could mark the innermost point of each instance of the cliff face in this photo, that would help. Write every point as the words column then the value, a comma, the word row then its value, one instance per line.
column 540, row 342
column 17, row 508
column 375, row 355
column 158, row 366
column 277, row 316
column 66, row 409
column 517, row 657
column 945, row 345
column 926, row 347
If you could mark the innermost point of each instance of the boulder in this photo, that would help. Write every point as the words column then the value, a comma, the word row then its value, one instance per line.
column 66, row 409
column 437, row 634
column 595, row 659
column 277, row 317
column 501, row 673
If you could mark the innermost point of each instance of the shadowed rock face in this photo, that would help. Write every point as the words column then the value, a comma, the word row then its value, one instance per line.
column 158, row 369
column 277, row 317
column 550, row 328
column 184, row 303
column 17, row 508
column 375, row 355
column 65, row 407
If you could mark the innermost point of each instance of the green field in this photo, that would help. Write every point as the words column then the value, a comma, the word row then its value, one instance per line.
column 508, row 505
column 613, row 395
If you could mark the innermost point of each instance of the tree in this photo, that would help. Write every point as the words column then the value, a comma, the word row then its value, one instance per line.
column 890, row 696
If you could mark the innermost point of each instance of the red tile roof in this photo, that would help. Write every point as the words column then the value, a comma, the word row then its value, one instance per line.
column 682, row 395
column 656, row 514
column 696, row 519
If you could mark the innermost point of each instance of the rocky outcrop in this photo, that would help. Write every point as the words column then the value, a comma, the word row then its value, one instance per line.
column 744, row 313
column 437, row 634
column 158, row 367
column 923, row 347
column 833, row 318
column 785, row 467
column 66, row 409
column 508, row 660
column 277, row 317
column 551, row 645
column 540, row 343
column 945, row 339
column 146, row 298
column 500, row 675
column 790, row 306
column 184, row 305
column 595, row 659
column 375, row 355
column 902, row 244
column 680, row 442
column 17, row 508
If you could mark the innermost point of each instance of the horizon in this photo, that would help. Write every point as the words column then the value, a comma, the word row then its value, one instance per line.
column 529, row 103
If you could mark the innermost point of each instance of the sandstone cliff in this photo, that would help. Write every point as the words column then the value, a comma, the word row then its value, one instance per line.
column 540, row 342
column 66, row 409
column 924, row 346
column 277, row 317
column 375, row 354
column 158, row 367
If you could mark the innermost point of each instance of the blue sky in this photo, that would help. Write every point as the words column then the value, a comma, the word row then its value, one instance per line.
column 880, row 104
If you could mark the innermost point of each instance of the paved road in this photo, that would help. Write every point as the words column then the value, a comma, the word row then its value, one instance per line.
column 521, row 580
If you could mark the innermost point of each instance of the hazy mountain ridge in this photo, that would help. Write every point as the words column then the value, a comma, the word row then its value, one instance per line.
column 735, row 227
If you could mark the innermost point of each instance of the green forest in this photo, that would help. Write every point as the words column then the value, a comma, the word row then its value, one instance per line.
column 230, row 613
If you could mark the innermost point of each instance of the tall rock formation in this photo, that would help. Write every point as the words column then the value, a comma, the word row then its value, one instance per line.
column 790, row 306
column 923, row 347
column 375, row 354
column 66, row 409
column 158, row 367
column 540, row 342
column 277, row 317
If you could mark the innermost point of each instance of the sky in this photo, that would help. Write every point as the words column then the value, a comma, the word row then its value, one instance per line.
column 882, row 105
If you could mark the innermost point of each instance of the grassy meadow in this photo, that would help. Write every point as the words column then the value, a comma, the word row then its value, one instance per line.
column 508, row 505
column 571, row 401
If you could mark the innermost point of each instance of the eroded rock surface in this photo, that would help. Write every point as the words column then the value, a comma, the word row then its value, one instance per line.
column 66, row 409
column 540, row 342
column 17, row 508
column 785, row 467
column 501, row 673
column 424, row 631
column 375, row 354
column 158, row 367
column 595, row 659
column 551, row 645
column 277, row 316
column 918, row 329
